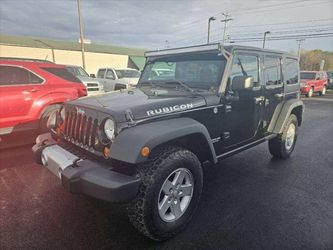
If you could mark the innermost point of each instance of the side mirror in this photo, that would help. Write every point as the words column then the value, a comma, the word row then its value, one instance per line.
column 241, row 83
column 92, row 75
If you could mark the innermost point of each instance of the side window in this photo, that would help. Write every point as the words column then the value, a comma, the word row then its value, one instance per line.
column 100, row 73
column 11, row 75
column 290, row 73
column 109, row 75
column 246, row 65
column 272, row 69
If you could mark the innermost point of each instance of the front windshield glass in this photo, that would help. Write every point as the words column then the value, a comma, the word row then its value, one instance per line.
column 308, row 75
column 202, row 70
column 77, row 71
column 127, row 73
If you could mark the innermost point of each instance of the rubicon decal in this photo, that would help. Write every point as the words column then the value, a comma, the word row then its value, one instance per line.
column 169, row 109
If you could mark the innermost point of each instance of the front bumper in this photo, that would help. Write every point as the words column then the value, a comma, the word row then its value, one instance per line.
column 84, row 176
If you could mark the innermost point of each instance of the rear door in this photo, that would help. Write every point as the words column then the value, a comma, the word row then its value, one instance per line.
column 273, row 86
column 19, row 88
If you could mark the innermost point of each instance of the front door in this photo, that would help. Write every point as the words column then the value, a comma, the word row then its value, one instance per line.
column 273, row 86
column 243, row 109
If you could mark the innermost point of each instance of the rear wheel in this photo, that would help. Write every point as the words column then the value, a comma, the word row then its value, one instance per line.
column 310, row 93
column 169, row 194
column 45, row 116
column 283, row 145
column 323, row 92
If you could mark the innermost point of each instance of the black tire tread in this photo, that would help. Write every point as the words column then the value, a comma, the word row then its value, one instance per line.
column 276, row 145
column 136, row 210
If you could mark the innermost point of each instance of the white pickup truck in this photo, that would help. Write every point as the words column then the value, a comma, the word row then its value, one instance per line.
column 115, row 79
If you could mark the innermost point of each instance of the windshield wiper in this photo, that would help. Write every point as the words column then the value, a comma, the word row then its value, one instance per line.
column 184, row 85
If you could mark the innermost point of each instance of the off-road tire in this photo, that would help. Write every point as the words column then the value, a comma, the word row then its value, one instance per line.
column 143, row 210
column 277, row 145
column 310, row 93
column 45, row 116
column 323, row 92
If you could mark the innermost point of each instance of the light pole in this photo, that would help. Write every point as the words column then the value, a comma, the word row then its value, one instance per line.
column 265, row 34
column 212, row 18
column 48, row 46
column 81, row 34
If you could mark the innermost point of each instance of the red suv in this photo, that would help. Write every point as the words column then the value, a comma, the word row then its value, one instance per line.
column 30, row 90
column 313, row 81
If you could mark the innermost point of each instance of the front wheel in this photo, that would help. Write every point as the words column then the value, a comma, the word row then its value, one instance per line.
column 169, row 194
column 283, row 145
column 310, row 93
column 323, row 92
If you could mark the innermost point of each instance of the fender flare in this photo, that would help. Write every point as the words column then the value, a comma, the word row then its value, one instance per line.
column 128, row 144
column 281, row 114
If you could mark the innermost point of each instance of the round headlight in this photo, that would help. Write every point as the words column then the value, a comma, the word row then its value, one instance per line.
column 109, row 128
column 63, row 114
column 52, row 121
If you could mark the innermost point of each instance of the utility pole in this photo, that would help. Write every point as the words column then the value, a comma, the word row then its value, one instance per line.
column 265, row 34
column 213, row 18
column 225, row 20
column 81, row 34
column 299, row 42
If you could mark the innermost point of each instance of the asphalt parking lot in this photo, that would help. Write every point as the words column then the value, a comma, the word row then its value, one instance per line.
column 250, row 201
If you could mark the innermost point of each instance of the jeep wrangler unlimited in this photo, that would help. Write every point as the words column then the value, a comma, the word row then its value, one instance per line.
column 146, row 146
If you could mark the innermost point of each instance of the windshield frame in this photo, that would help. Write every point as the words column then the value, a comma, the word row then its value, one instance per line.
column 177, row 58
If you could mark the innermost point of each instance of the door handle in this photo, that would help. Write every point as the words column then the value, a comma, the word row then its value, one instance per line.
column 34, row 90
column 259, row 100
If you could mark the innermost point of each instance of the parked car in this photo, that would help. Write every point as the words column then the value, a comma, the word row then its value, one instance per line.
column 313, row 82
column 147, row 146
column 94, row 87
column 115, row 79
column 30, row 90
column 330, row 79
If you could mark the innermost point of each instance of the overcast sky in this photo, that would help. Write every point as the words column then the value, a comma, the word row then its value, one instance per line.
column 149, row 24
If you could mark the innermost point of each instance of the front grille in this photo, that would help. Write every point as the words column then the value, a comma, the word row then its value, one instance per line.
column 80, row 129
column 92, row 84
column 93, row 89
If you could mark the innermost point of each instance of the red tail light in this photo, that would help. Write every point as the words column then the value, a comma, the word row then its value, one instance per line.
column 82, row 92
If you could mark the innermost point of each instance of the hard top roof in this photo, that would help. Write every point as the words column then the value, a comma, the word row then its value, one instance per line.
column 212, row 47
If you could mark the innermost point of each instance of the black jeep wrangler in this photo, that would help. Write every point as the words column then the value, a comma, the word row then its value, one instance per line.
column 145, row 146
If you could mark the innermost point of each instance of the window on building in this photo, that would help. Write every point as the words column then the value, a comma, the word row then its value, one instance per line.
column 290, row 71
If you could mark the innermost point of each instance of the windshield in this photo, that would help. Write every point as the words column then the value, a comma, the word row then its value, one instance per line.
column 308, row 75
column 77, row 71
column 127, row 73
column 196, row 71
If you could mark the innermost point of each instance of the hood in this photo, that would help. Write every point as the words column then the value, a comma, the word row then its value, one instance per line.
column 87, row 79
column 139, row 104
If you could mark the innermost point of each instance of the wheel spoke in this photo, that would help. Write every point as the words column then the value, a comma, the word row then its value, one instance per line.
column 164, row 205
column 167, row 186
column 179, row 177
column 175, row 209
column 186, row 190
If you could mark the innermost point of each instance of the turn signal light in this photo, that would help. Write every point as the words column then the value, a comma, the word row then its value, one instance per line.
column 106, row 152
column 145, row 151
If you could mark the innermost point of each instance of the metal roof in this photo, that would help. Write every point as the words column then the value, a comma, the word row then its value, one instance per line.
column 38, row 42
